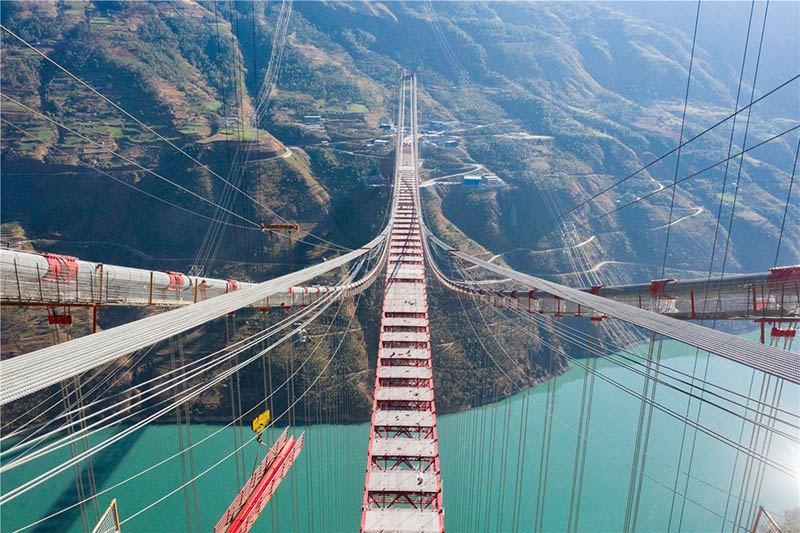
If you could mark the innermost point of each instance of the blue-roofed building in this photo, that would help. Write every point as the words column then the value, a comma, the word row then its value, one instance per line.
column 472, row 180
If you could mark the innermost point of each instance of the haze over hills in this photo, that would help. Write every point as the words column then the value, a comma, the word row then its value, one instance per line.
column 559, row 100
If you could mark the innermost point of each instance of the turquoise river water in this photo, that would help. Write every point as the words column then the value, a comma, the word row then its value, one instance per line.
column 479, row 467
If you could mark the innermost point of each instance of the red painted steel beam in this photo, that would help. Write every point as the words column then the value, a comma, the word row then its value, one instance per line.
column 258, row 490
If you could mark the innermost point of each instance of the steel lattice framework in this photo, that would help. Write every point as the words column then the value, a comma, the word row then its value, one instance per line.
column 403, row 489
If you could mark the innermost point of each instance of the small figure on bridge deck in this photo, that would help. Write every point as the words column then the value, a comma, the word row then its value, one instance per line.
column 419, row 478
column 203, row 288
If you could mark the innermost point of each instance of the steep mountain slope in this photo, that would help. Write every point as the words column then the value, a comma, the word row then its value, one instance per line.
column 559, row 100
column 607, row 88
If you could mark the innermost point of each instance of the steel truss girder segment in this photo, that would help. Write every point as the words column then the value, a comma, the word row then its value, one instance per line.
column 402, row 490
column 415, row 500
column 386, row 462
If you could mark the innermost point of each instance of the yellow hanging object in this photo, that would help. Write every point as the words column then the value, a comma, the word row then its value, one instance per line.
column 260, row 422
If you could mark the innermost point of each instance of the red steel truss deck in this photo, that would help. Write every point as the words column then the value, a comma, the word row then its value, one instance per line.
column 251, row 500
column 403, row 490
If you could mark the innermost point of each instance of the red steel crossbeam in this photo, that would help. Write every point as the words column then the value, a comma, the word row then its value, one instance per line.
column 390, row 462
column 415, row 499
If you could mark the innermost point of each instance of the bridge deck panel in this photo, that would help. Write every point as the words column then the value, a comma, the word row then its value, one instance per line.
column 403, row 447
column 397, row 481
column 407, row 322
column 403, row 419
column 404, row 353
column 404, row 372
column 406, row 394
column 401, row 520
column 404, row 336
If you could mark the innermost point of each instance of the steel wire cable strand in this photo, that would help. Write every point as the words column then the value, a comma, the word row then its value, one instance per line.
column 771, row 359
column 614, row 349
column 27, row 441
column 161, row 137
column 263, row 96
column 622, row 331
column 727, row 243
column 554, row 204
column 680, row 140
column 268, row 397
column 618, row 349
column 194, row 363
column 663, row 463
column 29, row 412
column 727, row 163
column 779, row 388
column 549, row 432
column 183, row 397
column 123, row 182
column 658, row 159
column 648, row 476
column 167, row 459
column 166, row 374
column 258, row 337
column 490, row 452
column 609, row 356
column 161, row 376
column 121, row 340
column 294, row 331
column 726, row 440
column 786, row 208
column 593, row 350
column 271, row 423
column 212, row 241
column 183, row 379
column 155, row 390
column 614, row 382
column 623, row 462
column 619, row 385
column 109, row 422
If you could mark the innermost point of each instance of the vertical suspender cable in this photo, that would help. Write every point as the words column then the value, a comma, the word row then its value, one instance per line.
column 233, row 406
column 89, row 463
column 187, row 416
column 180, row 442
column 786, row 208
column 680, row 141
column 72, row 446
column 730, row 225
column 73, row 452
column 637, row 445
column 550, row 415
column 713, row 253
column 647, row 434
column 749, row 461
column 578, row 446
column 585, row 432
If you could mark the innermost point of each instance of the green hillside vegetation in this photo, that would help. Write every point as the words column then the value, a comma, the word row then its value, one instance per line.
column 559, row 100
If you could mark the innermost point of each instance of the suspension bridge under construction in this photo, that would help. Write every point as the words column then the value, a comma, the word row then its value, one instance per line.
column 404, row 489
